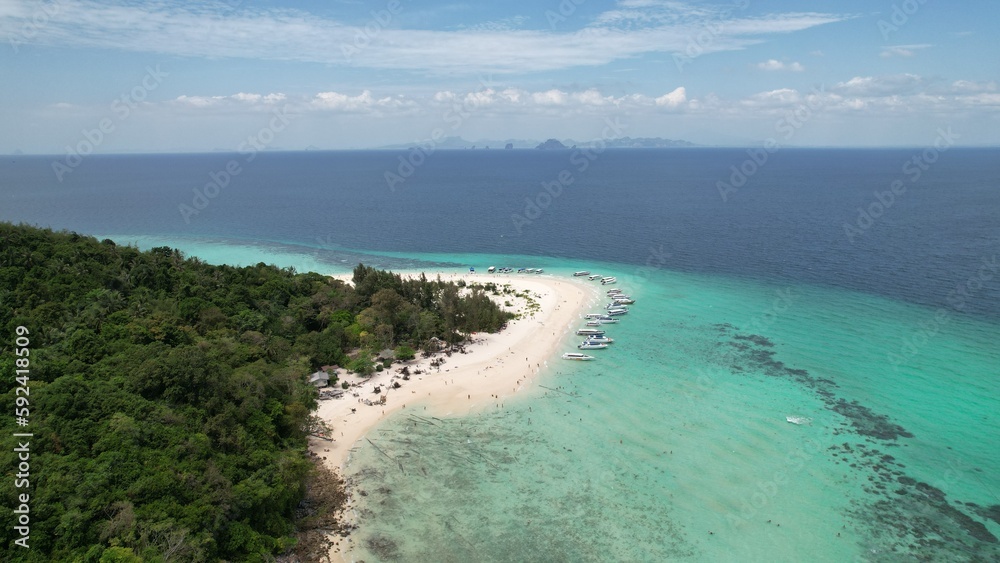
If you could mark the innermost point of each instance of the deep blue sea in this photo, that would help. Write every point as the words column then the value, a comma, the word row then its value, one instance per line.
column 856, row 291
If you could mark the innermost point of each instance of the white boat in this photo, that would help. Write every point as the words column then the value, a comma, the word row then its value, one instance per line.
column 624, row 301
column 581, row 273
column 577, row 356
column 606, row 281
column 593, row 277
column 606, row 321
column 590, row 332
column 593, row 323
column 593, row 315
column 614, row 291
column 491, row 269
column 616, row 305
column 591, row 346
column 599, row 340
column 538, row 271
column 617, row 312
column 529, row 271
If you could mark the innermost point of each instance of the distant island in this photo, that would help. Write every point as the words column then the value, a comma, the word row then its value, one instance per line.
column 620, row 143
column 449, row 143
column 551, row 144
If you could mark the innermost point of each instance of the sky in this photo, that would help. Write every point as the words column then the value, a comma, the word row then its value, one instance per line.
column 111, row 76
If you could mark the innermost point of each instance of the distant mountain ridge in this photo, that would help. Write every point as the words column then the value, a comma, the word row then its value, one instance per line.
column 622, row 142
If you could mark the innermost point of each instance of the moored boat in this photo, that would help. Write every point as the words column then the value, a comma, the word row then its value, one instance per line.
column 593, row 277
column 624, row 301
column 592, row 346
column 599, row 340
column 590, row 332
column 606, row 281
column 577, row 356
column 594, row 323
column 617, row 312
column 581, row 273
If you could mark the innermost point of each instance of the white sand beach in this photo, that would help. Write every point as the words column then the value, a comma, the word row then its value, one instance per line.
column 495, row 367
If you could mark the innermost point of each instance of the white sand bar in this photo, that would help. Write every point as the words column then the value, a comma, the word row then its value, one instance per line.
column 494, row 367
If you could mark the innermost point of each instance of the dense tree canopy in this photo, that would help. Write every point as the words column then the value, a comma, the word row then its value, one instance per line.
column 169, row 403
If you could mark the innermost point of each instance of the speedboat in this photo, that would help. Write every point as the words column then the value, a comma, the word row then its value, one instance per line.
column 606, row 281
column 593, row 315
column 593, row 277
column 530, row 271
column 491, row 269
column 591, row 346
column 599, row 340
column 581, row 273
column 617, row 312
column 624, row 300
column 539, row 271
column 590, row 332
column 577, row 356
column 616, row 305
column 614, row 291
column 606, row 321
column 593, row 323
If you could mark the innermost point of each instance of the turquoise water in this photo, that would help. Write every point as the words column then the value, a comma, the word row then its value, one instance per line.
column 674, row 445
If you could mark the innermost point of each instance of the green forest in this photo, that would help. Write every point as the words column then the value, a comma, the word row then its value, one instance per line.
column 168, row 398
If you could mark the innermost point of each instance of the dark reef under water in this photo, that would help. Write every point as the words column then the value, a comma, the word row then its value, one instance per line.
column 899, row 516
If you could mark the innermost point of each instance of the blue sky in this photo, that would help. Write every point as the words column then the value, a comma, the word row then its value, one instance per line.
column 193, row 76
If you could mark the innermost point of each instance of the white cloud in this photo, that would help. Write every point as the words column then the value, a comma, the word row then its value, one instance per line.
column 550, row 98
column 362, row 103
column 673, row 99
column 972, row 87
column 240, row 99
column 902, row 50
column 774, row 64
column 872, row 86
column 216, row 31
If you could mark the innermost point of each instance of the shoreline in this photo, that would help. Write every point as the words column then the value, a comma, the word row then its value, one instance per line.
column 493, row 369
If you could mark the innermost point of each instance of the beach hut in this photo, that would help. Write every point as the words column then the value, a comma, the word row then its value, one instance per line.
column 320, row 379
